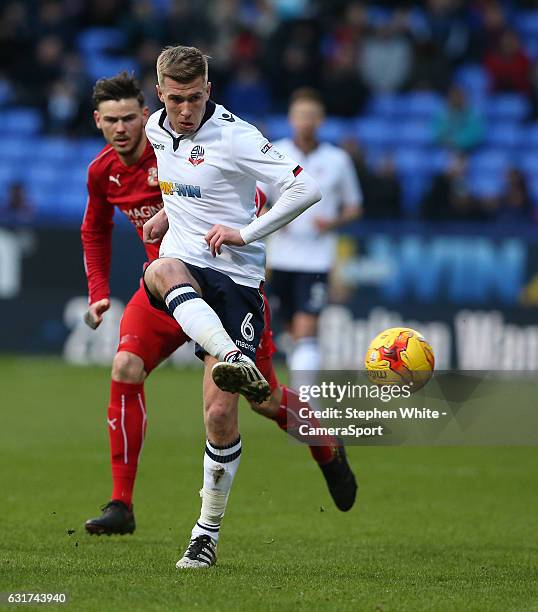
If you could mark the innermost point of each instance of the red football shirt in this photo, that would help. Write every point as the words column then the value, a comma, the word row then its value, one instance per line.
column 135, row 191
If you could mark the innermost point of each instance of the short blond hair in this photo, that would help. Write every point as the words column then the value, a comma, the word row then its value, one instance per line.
column 181, row 64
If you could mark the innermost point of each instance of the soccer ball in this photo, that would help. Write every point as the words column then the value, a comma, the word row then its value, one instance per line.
column 400, row 356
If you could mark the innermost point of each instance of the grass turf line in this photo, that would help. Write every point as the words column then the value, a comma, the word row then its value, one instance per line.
column 434, row 529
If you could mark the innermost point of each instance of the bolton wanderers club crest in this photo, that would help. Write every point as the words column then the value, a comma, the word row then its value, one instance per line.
column 197, row 155
column 153, row 180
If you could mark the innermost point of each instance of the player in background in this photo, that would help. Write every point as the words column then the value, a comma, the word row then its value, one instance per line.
column 124, row 175
column 301, row 255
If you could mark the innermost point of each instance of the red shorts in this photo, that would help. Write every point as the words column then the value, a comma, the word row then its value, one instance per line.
column 154, row 335
column 264, row 354
column 151, row 334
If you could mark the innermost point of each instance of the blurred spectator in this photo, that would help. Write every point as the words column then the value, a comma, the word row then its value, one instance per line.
column 103, row 12
column 149, row 88
column 448, row 28
column 508, row 65
column 147, row 55
column 431, row 69
column 382, row 193
column 52, row 21
column 459, row 126
column 62, row 107
column 247, row 93
column 489, row 22
column 340, row 75
column 15, row 38
column 142, row 23
column 386, row 57
column 293, row 58
column 514, row 205
column 16, row 208
column 7, row 92
column 449, row 198
column 47, row 69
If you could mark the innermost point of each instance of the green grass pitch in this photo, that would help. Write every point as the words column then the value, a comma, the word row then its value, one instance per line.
column 434, row 528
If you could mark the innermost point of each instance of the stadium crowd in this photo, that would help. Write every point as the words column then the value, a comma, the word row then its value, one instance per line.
column 436, row 100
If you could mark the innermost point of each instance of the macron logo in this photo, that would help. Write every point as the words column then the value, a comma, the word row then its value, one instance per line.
column 115, row 179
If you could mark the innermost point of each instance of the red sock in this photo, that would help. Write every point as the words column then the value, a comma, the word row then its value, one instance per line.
column 126, row 428
column 288, row 420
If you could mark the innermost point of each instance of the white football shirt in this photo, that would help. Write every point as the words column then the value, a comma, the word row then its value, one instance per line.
column 299, row 246
column 209, row 178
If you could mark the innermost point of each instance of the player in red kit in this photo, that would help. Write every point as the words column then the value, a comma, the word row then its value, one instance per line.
column 124, row 175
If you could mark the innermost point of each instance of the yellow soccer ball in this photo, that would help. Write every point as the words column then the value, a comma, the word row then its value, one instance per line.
column 400, row 356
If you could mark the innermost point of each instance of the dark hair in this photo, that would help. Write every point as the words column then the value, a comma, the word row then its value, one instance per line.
column 181, row 64
column 123, row 86
column 307, row 94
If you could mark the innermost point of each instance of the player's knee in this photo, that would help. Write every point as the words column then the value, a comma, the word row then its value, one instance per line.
column 218, row 416
column 128, row 367
column 165, row 272
column 304, row 326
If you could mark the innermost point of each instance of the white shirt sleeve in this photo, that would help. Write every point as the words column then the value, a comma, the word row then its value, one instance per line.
column 351, row 190
column 253, row 154
column 296, row 196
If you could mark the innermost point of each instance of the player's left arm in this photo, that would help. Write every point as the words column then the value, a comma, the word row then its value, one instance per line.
column 351, row 198
column 296, row 196
column 254, row 155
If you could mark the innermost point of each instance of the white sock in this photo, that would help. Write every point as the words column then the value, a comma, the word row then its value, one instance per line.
column 304, row 362
column 220, row 466
column 199, row 321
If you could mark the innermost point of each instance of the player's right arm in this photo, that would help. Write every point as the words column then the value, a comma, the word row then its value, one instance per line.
column 154, row 229
column 96, row 234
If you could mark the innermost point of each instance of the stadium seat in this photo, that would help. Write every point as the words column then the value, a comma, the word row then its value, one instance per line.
column 437, row 159
column 486, row 184
column 8, row 174
column 334, row 130
column 423, row 104
column 385, row 106
column 410, row 161
column 528, row 163
column 53, row 149
column 378, row 16
column 88, row 148
column 277, row 127
column 96, row 41
column 531, row 47
column 374, row 132
column 505, row 135
column 532, row 184
column 45, row 173
column 529, row 138
column 506, row 107
column 413, row 133
column 99, row 66
column 20, row 121
column 414, row 188
column 526, row 23
column 489, row 160
column 13, row 148
column 414, row 105
column 474, row 80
